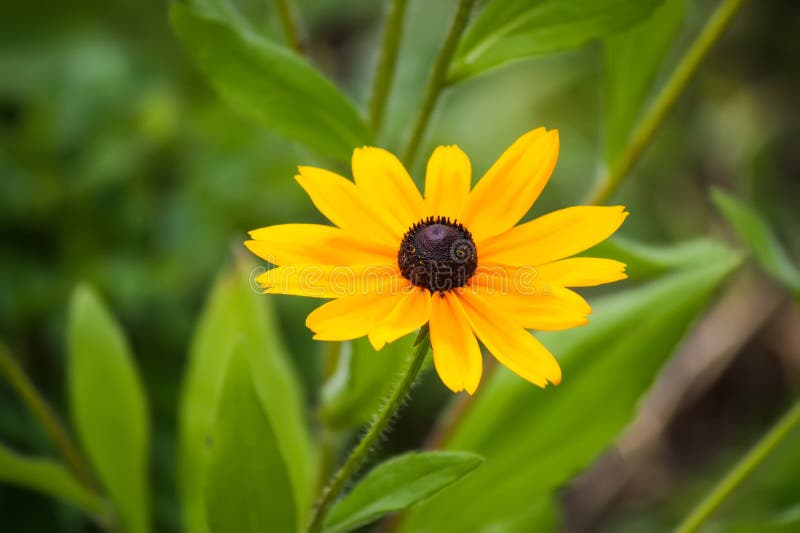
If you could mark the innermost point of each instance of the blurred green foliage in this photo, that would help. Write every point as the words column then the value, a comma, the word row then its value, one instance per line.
column 120, row 167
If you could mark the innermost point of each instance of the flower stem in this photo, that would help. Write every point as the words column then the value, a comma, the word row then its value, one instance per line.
column 613, row 175
column 742, row 470
column 288, row 24
column 438, row 79
column 55, row 431
column 385, row 413
column 386, row 64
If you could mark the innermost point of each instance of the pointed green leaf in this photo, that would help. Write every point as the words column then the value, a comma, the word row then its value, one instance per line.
column 108, row 406
column 645, row 261
column 235, row 311
column 507, row 30
column 226, row 11
column 361, row 381
column 536, row 440
column 633, row 59
column 751, row 227
column 48, row 477
column 247, row 487
column 397, row 484
column 272, row 85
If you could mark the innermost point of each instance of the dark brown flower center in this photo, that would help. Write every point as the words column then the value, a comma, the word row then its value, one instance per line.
column 437, row 254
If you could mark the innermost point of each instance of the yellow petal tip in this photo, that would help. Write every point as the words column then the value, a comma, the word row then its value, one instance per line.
column 377, row 340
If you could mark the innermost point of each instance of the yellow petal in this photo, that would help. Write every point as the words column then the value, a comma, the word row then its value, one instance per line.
column 385, row 185
column 341, row 202
column 456, row 354
column 350, row 317
column 509, row 188
column 553, row 308
column 525, row 281
column 409, row 313
column 447, row 181
column 553, row 236
column 510, row 344
column 287, row 244
column 325, row 281
column 582, row 271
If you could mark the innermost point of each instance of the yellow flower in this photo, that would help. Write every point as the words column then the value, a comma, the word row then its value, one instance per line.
column 454, row 259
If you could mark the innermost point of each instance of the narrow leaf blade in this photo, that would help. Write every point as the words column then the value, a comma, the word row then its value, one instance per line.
column 633, row 59
column 508, row 30
column 397, row 484
column 236, row 313
column 48, row 477
column 248, row 487
column 751, row 227
column 271, row 85
column 108, row 406
column 645, row 260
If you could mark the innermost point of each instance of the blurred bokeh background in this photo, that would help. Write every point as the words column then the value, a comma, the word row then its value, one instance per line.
column 119, row 166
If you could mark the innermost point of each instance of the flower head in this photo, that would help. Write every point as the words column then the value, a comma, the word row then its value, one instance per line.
column 453, row 258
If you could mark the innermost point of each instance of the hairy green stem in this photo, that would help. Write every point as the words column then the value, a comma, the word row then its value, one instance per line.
column 613, row 176
column 385, row 413
column 288, row 24
column 741, row 470
column 384, row 75
column 438, row 79
column 52, row 426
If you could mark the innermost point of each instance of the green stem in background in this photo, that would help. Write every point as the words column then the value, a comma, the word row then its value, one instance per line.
column 385, row 413
column 438, row 79
column 386, row 64
column 742, row 470
column 661, row 106
column 55, row 431
column 289, row 25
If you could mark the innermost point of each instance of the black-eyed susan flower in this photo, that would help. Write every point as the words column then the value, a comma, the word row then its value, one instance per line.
column 454, row 258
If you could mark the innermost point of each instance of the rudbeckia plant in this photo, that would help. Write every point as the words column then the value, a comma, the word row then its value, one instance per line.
column 394, row 269
column 453, row 259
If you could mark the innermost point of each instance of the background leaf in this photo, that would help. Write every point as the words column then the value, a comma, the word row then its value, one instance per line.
column 361, row 381
column 108, row 406
column 248, row 487
column 235, row 313
column 633, row 59
column 751, row 227
column 535, row 440
column 272, row 85
column 506, row 30
column 398, row 483
column 645, row 261
column 49, row 477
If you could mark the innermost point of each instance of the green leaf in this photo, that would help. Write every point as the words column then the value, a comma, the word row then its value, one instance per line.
column 235, row 311
column 397, row 484
column 48, row 477
column 645, row 261
column 361, row 381
column 272, row 85
column 248, row 486
column 751, row 227
column 633, row 59
column 223, row 10
column 507, row 30
column 108, row 406
column 536, row 440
